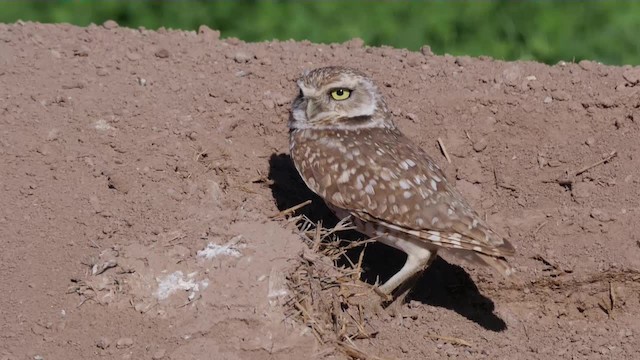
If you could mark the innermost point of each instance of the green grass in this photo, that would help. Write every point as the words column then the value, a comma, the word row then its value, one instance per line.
column 546, row 31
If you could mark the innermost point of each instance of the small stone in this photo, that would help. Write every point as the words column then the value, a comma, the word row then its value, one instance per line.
column 159, row 354
column 242, row 57
column 56, row 54
column 413, row 61
column 547, row 100
column 355, row 43
column 512, row 75
column 412, row 117
column 133, row 56
column 586, row 65
column 102, row 72
column 82, row 51
column 103, row 343
column 110, row 24
column 124, row 343
column 119, row 183
column 73, row 85
column 601, row 215
column 480, row 145
column 426, row 50
column 53, row 135
column 205, row 31
column 590, row 141
column 462, row 61
column 162, row 53
column 560, row 95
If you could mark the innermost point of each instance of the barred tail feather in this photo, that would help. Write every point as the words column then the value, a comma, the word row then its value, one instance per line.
column 500, row 264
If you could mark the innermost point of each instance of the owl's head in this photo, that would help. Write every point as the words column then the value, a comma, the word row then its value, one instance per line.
column 338, row 98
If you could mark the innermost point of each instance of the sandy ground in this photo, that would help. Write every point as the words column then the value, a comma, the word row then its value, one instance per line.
column 139, row 171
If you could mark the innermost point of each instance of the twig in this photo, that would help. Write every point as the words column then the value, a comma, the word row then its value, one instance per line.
column 568, row 178
column 535, row 233
column 588, row 167
column 354, row 352
column 468, row 136
column 452, row 340
column 444, row 150
column 290, row 210
column 544, row 261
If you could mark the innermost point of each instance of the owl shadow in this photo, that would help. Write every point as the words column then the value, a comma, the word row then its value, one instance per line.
column 442, row 284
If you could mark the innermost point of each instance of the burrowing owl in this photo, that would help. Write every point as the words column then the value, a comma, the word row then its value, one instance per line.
column 349, row 151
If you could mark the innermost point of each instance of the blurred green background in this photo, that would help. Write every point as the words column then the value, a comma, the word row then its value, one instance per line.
column 546, row 31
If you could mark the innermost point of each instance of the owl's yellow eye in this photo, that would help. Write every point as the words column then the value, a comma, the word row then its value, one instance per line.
column 340, row 94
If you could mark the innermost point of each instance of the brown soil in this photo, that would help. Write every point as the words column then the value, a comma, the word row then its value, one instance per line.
column 125, row 153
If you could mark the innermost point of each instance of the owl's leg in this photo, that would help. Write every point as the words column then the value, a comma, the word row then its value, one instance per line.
column 401, row 292
column 418, row 258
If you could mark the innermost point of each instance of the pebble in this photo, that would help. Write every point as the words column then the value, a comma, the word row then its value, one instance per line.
column 355, row 43
column 601, row 215
column 590, row 141
column 133, row 56
column 205, row 31
column 512, row 75
column 462, row 61
column 242, row 57
column 159, row 354
column 110, row 24
column 103, row 343
column 73, row 85
column 162, row 53
column 413, row 61
column 124, row 343
column 119, row 183
column 480, row 145
column 426, row 50
column 53, row 135
column 547, row 100
column 102, row 72
column 82, row 51
column 560, row 95
column 587, row 65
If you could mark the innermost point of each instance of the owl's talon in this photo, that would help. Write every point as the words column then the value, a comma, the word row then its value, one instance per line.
column 385, row 297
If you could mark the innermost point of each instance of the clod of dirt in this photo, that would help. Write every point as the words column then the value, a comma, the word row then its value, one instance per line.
column 162, row 53
column 159, row 354
column 103, row 343
column 632, row 75
column 560, row 95
column 426, row 50
column 110, row 24
column 242, row 57
column 601, row 215
column 583, row 190
column 125, row 342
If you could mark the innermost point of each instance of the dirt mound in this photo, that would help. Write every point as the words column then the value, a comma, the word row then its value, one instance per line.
column 140, row 171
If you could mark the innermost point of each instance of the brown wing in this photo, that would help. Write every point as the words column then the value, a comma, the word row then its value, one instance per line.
column 379, row 174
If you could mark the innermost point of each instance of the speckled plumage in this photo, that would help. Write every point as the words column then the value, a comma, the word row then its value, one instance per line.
column 351, row 153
